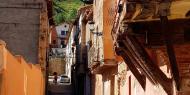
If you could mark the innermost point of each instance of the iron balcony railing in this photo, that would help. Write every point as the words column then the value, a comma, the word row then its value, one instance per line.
column 92, row 56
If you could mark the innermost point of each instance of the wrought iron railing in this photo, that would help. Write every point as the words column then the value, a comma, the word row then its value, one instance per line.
column 92, row 56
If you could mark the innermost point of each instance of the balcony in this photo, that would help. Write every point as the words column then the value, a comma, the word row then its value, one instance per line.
column 92, row 57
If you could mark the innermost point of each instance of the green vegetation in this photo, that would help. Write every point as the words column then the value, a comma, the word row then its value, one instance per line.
column 65, row 10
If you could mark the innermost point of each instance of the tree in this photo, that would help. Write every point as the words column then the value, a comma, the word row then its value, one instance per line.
column 65, row 10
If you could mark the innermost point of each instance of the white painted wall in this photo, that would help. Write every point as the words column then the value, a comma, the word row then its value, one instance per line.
column 69, row 54
column 98, row 18
column 62, row 27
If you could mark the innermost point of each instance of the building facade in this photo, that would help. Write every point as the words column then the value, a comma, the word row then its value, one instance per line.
column 70, row 53
column 53, row 37
column 62, row 34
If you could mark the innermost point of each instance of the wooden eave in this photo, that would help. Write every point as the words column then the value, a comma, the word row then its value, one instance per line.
column 155, row 20
column 133, row 51
column 155, row 36
column 179, row 10
column 136, row 58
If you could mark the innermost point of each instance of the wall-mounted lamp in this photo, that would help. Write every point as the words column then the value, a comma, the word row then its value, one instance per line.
column 92, row 28
column 91, row 25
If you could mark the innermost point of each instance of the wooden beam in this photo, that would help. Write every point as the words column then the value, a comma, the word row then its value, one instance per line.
column 130, row 63
column 151, row 67
column 138, row 61
column 170, row 50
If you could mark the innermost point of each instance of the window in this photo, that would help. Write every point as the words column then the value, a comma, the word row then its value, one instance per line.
column 63, row 32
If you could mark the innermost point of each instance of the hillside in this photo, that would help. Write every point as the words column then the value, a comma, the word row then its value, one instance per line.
column 65, row 10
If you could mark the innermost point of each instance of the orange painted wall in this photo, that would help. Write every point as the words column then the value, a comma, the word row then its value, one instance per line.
column 18, row 77
column 108, row 18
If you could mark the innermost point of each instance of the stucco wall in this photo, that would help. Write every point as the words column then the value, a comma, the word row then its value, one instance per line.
column 69, row 53
column 133, row 87
column 128, row 84
column 109, row 9
column 62, row 27
column 98, row 85
column 20, row 26
column 18, row 77
column 98, row 18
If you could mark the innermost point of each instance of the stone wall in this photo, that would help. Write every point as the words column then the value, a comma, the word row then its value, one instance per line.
column 20, row 26
column 57, row 65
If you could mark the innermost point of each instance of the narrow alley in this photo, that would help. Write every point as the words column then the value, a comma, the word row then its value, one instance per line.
column 94, row 47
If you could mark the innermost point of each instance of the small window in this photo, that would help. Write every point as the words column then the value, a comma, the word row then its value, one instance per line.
column 63, row 32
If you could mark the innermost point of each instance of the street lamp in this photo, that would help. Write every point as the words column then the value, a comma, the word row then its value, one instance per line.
column 92, row 28
column 91, row 25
